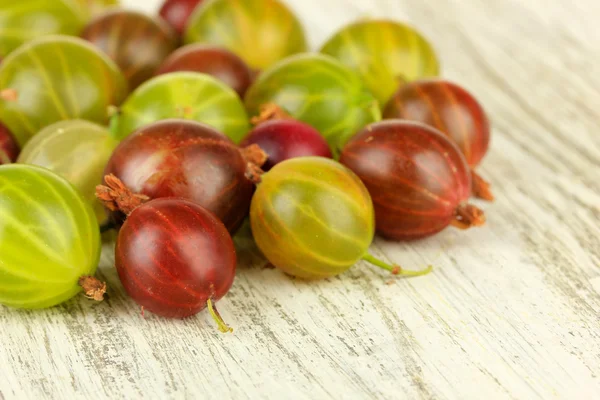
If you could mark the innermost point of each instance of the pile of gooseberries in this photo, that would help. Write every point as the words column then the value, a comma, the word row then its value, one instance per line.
column 173, row 130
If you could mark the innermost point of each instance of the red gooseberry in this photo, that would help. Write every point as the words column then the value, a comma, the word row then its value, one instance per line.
column 174, row 257
column 9, row 149
column 136, row 42
column 418, row 179
column 453, row 111
column 178, row 12
column 178, row 158
column 284, row 139
column 217, row 62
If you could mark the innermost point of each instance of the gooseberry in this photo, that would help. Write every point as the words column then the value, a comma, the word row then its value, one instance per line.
column 57, row 78
column 175, row 258
column 92, row 7
column 77, row 150
column 9, row 149
column 385, row 53
column 285, row 139
column 313, row 218
column 186, row 159
column 49, row 239
column 178, row 12
column 418, row 179
column 318, row 90
column 453, row 111
column 137, row 43
column 24, row 20
column 217, row 62
column 261, row 32
column 187, row 95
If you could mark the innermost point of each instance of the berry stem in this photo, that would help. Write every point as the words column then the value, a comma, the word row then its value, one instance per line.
column 481, row 187
column 212, row 309
column 395, row 269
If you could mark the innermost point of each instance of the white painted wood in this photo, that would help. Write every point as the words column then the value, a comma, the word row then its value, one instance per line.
column 511, row 310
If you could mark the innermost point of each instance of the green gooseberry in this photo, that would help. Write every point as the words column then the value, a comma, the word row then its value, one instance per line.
column 49, row 238
column 57, row 78
column 261, row 32
column 385, row 53
column 320, row 91
column 24, row 20
column 313, row 218
column 186, row 95
column 78, row 151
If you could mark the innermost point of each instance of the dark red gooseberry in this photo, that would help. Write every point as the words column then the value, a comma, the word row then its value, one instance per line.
column 9, row 149
column 453, row 111
column 137, row 43
column 217, row 62
column 178, row 12
column 287, row 138
column 418, row 179
column 177, row 158
column 175, row 258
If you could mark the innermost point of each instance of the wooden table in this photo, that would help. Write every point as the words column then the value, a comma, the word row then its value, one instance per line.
column 511, row 310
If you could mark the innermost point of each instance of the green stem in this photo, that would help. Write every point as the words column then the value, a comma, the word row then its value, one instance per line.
column 212, row 309
column 395, row 269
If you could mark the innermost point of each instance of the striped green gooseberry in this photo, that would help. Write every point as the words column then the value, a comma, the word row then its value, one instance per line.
column 78, row 151
column 49, row 239
column 22, row 21
column 385, row 53
column 313, row 218
column 320, row 91
column 185, row 95
column 261, row 32
column 57, row 78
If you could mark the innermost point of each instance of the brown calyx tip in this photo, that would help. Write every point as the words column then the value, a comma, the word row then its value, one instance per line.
column 9, row 95
column 117, row 197
column 93, row 288
column 254, row 173
column 481, row 188
column 268, row 112
column 255, row 155
column 467, row 216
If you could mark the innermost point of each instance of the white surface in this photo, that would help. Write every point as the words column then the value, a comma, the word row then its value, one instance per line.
column 511, row 310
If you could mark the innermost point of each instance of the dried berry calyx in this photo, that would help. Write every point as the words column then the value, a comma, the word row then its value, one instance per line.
column 481, row 187
column 467, row 216
column 9, row 95
column 93, row 288
column 254, row 155
column 268, row 112
column 117, row 197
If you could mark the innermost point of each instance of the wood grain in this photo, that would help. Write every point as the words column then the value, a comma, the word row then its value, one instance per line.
column 511, row 311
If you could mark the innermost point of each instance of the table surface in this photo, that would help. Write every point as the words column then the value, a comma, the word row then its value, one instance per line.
column 512, row 310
